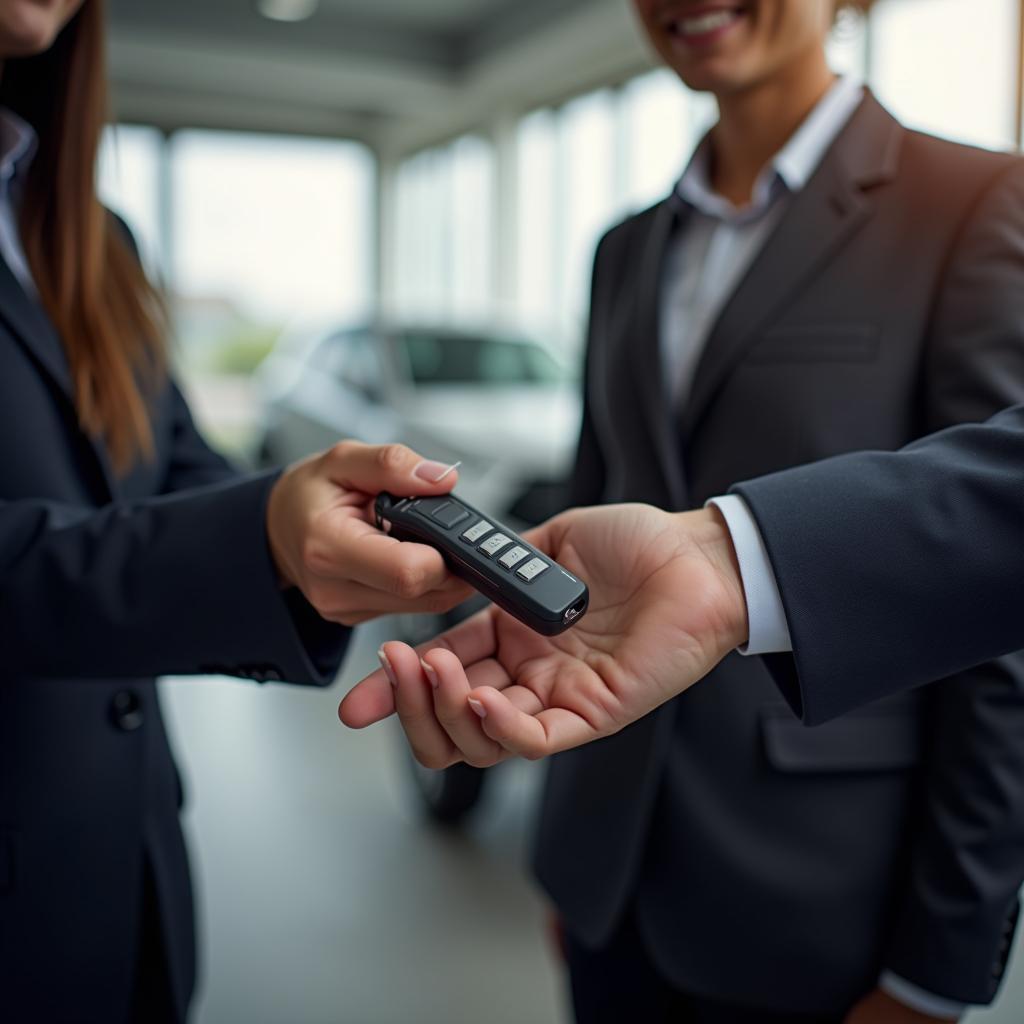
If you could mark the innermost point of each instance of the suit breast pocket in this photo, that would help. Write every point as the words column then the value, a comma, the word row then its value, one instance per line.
column 830, row 343
column 882, row 742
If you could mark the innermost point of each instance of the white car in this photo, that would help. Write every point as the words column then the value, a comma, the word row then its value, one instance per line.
column 502, row 404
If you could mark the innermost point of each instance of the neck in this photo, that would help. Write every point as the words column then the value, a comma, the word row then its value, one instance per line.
column 755, row 123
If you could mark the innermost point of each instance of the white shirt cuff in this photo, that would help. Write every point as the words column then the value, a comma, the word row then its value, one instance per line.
column 919, row 999
column 769, row 630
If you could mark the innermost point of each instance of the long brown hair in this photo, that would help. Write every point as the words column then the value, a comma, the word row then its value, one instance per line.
column 110, row 318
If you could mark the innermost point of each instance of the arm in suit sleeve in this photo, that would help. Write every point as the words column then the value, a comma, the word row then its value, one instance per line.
column 955, row 918
column 896, row 568
column 193, row 463
column 177, row 584
column 181, row 583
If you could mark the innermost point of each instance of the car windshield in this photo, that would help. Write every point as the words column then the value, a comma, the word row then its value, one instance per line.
column 437, row 358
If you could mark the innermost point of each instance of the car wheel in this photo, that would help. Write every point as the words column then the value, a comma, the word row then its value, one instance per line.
column 447, row 795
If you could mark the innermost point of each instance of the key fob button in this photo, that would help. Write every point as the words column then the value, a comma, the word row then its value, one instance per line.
column 533, row 568
column 494, row 544
column 476, row 531
column 449, row 514
column 513, row 557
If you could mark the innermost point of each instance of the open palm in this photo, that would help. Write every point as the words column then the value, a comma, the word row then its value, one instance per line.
column 665, row 607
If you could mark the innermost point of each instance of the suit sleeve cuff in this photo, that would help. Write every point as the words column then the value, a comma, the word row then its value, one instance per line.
column 919, row 999
column 769, row 630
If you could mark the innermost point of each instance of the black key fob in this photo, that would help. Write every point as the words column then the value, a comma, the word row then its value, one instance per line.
column 491, row 558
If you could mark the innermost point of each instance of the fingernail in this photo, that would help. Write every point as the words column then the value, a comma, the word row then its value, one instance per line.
column 430, row 673
column 386, row 665
column 478, row 707
column 434, row 472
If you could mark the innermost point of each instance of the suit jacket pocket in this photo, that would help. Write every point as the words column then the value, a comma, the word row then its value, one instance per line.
column 836, row 343
column 856, row 743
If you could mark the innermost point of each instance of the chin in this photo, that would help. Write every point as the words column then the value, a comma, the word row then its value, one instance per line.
column 719, row 81
column 27, row 36
column 24, row 46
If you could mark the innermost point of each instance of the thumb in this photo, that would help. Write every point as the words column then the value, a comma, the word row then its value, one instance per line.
column 371, row 469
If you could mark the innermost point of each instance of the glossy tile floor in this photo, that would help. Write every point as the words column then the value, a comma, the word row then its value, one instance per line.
column 323, row 895
column 325, row 899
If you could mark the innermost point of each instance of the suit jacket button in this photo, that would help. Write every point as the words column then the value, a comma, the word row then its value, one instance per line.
column 272, row 674
column 126, row 711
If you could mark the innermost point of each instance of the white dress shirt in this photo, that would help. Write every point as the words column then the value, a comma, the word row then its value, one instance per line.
column 718, row 241
column 706, row 261
column 17, row 147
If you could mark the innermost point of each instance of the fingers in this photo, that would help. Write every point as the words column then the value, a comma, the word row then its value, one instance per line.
column 414, row 703
column 429, row 694
column 353, row 603
column 390, row 467
column 345, row 548
column 372, row 699
column 451, row 687
column 472, row 640
column 547, row 537
column 527, row 734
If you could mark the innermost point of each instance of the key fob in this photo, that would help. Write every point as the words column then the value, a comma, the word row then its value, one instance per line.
column 490, row 557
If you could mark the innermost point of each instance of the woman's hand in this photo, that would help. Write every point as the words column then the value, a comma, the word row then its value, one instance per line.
column 666, row 605
column 323, row 541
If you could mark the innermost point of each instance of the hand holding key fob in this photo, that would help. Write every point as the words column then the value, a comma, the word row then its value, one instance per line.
column 490, row 557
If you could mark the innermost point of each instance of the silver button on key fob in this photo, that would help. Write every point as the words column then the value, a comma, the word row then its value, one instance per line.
column 490, row 557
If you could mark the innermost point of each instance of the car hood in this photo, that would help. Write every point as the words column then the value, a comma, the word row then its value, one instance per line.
column 533, row 428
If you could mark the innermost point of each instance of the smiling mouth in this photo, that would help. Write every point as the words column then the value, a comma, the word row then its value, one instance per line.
column 706, row 24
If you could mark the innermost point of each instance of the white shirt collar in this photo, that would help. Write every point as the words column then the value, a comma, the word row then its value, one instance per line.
column 790, row 168
column 18, row 144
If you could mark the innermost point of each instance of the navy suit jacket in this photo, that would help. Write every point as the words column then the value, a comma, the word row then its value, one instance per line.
column 896, row 568
column 764, row 862
column 106, row 582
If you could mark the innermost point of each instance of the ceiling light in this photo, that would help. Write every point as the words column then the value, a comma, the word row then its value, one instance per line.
column 287, row 10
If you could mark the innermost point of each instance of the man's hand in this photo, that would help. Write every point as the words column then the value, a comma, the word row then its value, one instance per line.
column 666, row 605
column 879, row 1007
column 322, row 538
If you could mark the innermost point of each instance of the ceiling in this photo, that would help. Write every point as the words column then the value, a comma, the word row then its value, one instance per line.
column 394, row 73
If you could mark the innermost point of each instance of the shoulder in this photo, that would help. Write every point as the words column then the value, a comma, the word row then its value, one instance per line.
column 121, row 229
column 958, row 169
column 622, row 237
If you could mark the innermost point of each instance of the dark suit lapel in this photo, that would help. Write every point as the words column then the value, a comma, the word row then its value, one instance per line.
column 31, row 327
column 645, row 332
column 821, row 218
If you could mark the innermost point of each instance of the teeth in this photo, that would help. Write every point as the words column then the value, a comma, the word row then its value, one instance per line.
column 705, row 23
